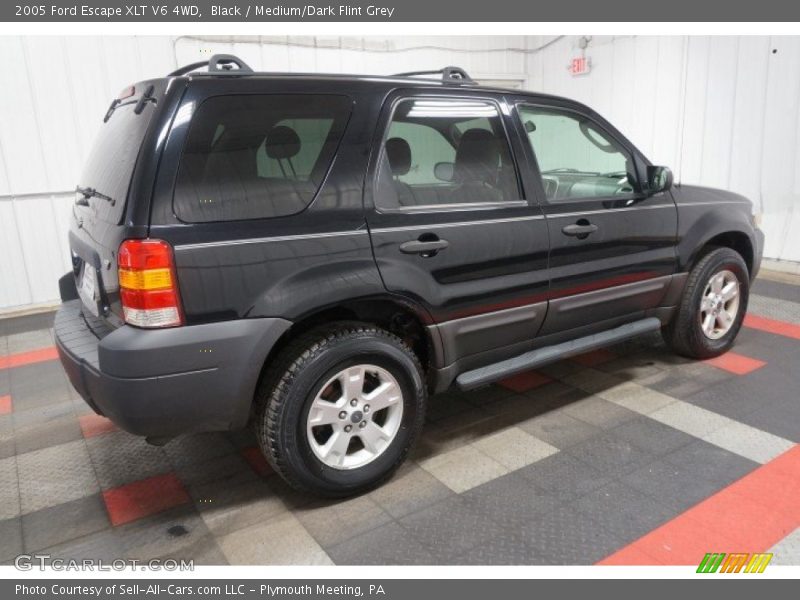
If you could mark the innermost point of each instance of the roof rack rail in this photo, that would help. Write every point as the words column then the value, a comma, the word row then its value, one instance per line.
column 221, row 64
column 455, row 75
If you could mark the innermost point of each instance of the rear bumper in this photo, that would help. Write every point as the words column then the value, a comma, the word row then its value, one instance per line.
column 166, row 382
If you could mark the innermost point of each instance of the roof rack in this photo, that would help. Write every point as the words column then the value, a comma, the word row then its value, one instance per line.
column 220, row 64
column 455, row 75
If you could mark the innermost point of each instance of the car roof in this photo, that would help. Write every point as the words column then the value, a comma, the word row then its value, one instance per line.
column 450, row 78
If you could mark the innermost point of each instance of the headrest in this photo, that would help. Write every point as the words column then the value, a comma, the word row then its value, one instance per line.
column 282, row 142
column 477, row 157
column 399, row 154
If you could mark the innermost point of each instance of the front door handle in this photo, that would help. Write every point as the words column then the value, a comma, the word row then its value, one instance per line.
column 424, row 247
column 580, row 230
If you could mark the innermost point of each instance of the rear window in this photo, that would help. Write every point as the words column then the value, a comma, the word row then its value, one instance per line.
column 109, row 167
column 257, row 156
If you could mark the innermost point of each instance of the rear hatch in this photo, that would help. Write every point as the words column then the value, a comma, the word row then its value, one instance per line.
column 102, row 195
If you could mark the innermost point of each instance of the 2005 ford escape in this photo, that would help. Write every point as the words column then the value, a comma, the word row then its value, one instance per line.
column 318, row 254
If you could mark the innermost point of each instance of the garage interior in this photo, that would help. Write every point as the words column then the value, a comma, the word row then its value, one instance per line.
column 625, row 456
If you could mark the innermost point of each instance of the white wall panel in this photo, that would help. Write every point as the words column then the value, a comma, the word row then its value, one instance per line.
column 721, row 111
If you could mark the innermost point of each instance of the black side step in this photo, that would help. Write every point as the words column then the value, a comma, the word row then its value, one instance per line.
column 536, row 358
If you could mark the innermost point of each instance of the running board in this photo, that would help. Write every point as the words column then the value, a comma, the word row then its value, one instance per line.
column 541, row 356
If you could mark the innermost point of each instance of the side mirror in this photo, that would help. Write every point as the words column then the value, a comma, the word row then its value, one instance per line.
column 659, row 179
column 444, row 171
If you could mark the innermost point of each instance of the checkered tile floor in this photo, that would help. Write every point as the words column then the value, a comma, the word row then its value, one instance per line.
column 629, row 455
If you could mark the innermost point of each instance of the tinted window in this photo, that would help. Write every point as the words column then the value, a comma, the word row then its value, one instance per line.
column 257, row 156
column 576, row 158
column 445, row 152
column 109, row 167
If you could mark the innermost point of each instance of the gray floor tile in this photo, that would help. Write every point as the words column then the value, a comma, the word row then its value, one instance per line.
column 624, row 511
column 55, row 475
column 559, row 429
column 197, row 448
column 711, row 462
column 11, row 536
column 504, row 548
column 226, row 506
column 677, row 486
column 600, row 413
column 389, row 544
column 566, row 536
column 52, row 433
column 449, row 528
column 120, row 458
column 564, row 476
column 779, row 419
column 610, row 454
column 510, row 500
column 64, row 522
column 331, row 523
column 9, row 488
column 652, row 436
column 257, row 545
column 410, row 489
column 173, row 533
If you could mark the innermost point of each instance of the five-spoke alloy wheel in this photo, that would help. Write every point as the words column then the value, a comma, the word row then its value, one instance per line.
column 355, row 416
column 340, row 408
column 712, row 307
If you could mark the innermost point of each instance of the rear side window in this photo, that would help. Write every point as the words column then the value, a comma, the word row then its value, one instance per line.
column 439, row 152
column 257, row 156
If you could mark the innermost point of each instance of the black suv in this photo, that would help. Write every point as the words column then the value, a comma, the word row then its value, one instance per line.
column 317, row 254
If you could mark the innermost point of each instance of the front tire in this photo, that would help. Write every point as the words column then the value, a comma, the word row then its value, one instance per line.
column 341, row 408
column 712, row 307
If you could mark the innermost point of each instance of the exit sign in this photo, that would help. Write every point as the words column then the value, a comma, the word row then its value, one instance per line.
column 580, row 65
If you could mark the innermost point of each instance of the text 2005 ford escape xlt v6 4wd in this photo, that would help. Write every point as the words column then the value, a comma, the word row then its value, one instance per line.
column 317, row 254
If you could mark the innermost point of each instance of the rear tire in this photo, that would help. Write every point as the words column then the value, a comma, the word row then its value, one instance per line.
column 712, row 307
column 315, row 424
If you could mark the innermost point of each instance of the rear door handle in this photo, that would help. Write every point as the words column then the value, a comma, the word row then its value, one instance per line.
column 579, row 230
column 425, row 248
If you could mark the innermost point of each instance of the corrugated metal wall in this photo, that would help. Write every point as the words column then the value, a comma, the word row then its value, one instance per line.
column 720, row 111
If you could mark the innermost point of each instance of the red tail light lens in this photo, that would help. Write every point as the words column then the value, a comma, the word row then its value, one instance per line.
column 147, row 283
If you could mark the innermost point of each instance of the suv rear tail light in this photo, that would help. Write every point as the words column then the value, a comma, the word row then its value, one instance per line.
column 147, row 284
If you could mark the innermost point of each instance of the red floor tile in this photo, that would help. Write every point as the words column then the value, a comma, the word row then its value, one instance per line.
column 772, row 326
column 594, row 358
column 750, row 515
column 92, row 425
column 736, row 363
column 144, row 498
column 525, row 381
column 5, row 405
column 26, row 358
column 256, row 460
